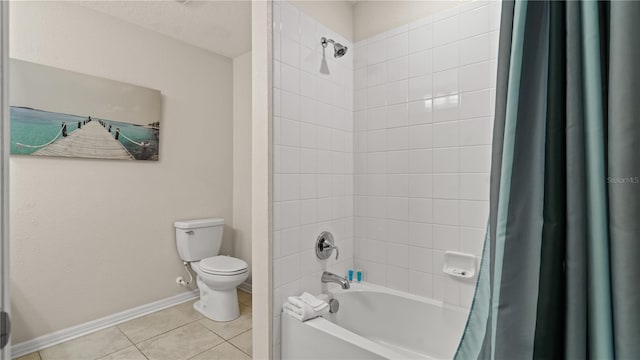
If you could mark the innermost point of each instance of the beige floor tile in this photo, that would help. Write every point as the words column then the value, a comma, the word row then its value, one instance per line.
column 181, row 343
column 187, row 309
column 244, row 342
column 244, row 297
column 224, row 351
column 230, row 329
column 159, row 322
column 32, row 356
column 130, row 353
column 92, row 346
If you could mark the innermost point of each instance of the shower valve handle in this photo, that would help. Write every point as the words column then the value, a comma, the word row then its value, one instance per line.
column 325, row 246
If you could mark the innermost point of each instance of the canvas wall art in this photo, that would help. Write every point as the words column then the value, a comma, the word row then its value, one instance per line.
column 57, row 112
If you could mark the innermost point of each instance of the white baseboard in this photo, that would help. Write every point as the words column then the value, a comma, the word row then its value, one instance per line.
column 73, row 332
column 245, row 286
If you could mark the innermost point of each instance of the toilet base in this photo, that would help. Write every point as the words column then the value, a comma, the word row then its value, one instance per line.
column 217, row 305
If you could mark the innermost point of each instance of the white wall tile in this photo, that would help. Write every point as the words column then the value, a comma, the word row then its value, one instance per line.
column 494, row 39
column 420, row 234
column 446, row 186
column 290, row 52
column 420, row 63
column 420, row 259
column 446, row 160
column 445, row 237
column 448, row 212
column 445, row 57
column 420, row 137
column 376, row 74
column 474, row 77
column 398, row 69
column 446, row 108
column 289, row 15
column 420, row 112
column 420, row 185
column 376, row 96
column 445, row 134
column 475, row 159
column 308, row 28
column 290, row 105
column 420, row 88
column 445, row 31
column 397, row 92
column 421, row 283
column 474, row 104
column 494, row 14
column 474, row 22
column 420, row 161
column 398, row 45
column 445, row 83
column 376, row 118
column 397, row 115
column 398, row 232
column 290, row 78
column 398, row 278
column 474, row 213
column 398, row 208
column 420, row 38
column 420, row 210
column 474, row 186
column 397, row 138
column 377, row 52
column 471, row 240
column 474, row 49
column 398, row 185
column 398, row 255
column 421, row 146
column 309, row 61
column 397, row 162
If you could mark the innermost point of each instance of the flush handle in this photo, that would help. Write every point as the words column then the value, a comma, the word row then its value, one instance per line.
column 325, row 245
column 189, row 232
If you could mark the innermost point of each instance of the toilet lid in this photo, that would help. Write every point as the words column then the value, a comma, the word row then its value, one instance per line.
column 223, row 265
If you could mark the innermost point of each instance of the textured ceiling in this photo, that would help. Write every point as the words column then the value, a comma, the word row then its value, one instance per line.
column 223, row 27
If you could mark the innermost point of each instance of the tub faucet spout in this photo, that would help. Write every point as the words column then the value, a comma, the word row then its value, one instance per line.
column 328, row 277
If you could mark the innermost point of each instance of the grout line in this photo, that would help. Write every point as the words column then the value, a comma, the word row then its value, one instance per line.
column 211, row 348
column 229, row 341
column 134, row 344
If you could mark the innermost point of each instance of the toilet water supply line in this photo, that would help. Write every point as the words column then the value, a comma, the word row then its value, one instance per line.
column 180, row 280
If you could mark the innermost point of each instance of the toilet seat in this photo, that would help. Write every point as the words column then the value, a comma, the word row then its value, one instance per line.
column 223, row 266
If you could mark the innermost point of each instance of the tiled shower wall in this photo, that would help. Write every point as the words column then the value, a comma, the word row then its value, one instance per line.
column 423, row 110
column 313, row 154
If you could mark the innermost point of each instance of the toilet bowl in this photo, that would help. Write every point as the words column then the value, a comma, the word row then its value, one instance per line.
column 218, row 278
column 198, row 242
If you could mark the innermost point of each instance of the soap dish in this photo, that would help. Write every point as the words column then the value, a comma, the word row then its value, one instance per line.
column 460, row 265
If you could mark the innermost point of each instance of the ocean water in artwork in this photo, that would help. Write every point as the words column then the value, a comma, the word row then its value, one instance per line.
column 33, row 129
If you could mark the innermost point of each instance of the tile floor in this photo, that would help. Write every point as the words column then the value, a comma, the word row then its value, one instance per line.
column 175, row 333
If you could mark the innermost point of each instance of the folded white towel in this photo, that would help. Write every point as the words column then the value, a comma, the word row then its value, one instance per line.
column 305, row 307
column 314, row 302
column 297, row 302
column 302, row 314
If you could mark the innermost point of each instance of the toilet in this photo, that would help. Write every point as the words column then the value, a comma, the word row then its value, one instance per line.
column 218, row 276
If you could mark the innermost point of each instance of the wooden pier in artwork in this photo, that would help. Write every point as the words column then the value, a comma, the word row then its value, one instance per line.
column 91, row 140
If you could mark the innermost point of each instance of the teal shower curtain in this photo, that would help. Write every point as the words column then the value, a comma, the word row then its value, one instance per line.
column 560, row 274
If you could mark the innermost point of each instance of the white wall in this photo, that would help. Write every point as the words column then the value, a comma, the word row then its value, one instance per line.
column 313, row 154
column 423, row 102
column 90, row 238
column 242, row 158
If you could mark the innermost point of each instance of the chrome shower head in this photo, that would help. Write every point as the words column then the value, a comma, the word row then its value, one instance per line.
column 339, row 49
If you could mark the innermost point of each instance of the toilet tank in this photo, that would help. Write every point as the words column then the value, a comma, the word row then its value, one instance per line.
column 198, row 239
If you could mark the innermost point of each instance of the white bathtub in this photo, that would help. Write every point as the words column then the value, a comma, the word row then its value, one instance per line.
column 375, row 322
